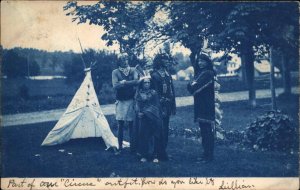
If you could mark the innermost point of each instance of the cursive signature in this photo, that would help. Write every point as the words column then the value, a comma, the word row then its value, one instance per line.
column 234, row 185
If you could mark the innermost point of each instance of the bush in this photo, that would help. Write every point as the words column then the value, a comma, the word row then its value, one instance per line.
column 272, row 131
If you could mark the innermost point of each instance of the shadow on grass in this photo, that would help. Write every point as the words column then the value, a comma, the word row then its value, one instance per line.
column 22, row 155
column 89, row 159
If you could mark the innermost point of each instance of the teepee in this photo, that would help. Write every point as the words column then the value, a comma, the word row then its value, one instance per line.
column 83, row 118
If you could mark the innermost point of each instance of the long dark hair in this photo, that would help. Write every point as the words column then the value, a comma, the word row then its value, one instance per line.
column 209, row 63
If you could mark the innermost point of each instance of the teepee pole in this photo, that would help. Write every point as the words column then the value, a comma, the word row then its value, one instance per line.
column 82, row 54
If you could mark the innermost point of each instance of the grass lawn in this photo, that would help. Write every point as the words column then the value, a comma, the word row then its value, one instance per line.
column 87, row 157
column 237, row 115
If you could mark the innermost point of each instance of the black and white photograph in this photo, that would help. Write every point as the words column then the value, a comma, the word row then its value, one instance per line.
column 149, row 95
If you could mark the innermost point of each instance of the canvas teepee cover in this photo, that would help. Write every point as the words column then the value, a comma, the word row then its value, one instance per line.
column 83, row 118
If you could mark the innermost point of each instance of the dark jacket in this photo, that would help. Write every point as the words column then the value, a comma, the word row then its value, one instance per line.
column 202, row 88
column 165, row 90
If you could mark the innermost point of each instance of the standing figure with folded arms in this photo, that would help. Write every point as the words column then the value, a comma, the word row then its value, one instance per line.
column 124, row 80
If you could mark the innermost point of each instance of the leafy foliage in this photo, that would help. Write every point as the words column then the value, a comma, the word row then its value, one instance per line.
column 245, row 28
column 74, row 70
column 123, row 21
column 233, row 27
column 101, row 62
column 272, row 131
column 42, row 62
column 257, row 25
column 34, row 69
column 192, row 23
column 101, row 72
column 14, row 65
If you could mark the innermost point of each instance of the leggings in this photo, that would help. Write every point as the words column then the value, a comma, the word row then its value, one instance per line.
column 207, row 135
column 121, row 124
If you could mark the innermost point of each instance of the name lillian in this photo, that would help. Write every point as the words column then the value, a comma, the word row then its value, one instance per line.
column 235, row 185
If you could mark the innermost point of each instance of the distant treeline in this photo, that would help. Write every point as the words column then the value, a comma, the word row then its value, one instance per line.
column 22, row 62
column 49, row 63
column 25, row 62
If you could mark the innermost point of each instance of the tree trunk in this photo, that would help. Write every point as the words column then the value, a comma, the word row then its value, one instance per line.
column 286, row 75
column 243, row 67
column 248, row 63
column 272, row 86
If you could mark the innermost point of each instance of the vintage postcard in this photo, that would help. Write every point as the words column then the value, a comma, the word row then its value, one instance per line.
column 149, row 95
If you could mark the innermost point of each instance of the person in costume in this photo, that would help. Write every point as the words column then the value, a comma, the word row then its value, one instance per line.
column 141, row 71
column 162, row 83
column 149, row 114
column 124, row 81
column 202, row 88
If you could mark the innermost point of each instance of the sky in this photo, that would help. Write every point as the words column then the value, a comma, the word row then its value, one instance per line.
column 44, row 25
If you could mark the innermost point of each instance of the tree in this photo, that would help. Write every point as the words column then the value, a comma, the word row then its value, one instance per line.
column 123, row 21
column 239, row 35
column 34, row 68
column 14, row 65
column 106, row 63
column 280, row 31
column 252, row 28
column 101, row 62
column 239, row 28
column 74, row 71
column 55, row 59
column 228, row 26
column 183, row 27
column 192, row 23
